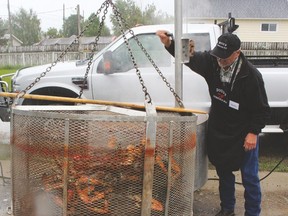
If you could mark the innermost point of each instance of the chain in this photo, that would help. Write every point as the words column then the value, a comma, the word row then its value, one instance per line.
column 60, row 57
column 120, row 22
column 96, row 42
column 121, row 19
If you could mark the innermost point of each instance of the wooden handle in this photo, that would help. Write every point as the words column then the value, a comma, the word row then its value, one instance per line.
column 102, row 102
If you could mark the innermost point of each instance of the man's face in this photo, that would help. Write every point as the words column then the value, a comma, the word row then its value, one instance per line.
column 225, row 63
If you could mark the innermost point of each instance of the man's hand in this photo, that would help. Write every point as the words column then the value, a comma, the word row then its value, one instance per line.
column 250, row 142
column 164, row 37
column 191, row 48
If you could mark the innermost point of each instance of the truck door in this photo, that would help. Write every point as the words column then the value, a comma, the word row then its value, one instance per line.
column 114, row 77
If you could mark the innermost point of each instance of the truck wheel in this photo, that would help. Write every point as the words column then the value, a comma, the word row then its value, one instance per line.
column 56, row 91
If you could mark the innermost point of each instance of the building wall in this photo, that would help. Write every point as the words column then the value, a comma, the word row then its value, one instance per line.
column 250, row 29
column 16, row 43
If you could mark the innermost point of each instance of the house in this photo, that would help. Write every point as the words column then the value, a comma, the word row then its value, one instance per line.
column 258, row 20
column 15, row 40
column 56, row 41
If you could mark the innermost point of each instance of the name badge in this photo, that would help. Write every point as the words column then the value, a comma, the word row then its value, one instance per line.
column 234, row 105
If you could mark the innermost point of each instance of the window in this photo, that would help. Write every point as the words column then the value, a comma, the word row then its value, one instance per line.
column 269, row 27
column 120, row 59
column 201, row 40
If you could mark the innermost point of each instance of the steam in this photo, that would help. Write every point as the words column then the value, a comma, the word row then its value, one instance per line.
column 193, row 8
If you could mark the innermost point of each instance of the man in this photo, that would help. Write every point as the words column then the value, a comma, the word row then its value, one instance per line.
column 239, row 110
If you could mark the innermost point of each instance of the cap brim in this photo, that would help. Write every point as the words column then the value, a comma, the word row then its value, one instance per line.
column 220, row 53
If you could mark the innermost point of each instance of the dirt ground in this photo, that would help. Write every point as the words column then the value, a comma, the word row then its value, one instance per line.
column 206, row 200
column 274, row 196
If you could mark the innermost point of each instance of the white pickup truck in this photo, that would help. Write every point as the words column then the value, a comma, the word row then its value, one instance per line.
column 120, row 82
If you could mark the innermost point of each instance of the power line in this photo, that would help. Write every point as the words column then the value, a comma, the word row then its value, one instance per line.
column 45, row 12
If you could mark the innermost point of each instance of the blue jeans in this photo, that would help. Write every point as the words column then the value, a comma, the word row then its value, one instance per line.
column 250, row 181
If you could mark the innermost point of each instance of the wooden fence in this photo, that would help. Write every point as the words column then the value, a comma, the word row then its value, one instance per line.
column 38, row 55
column 265, row 48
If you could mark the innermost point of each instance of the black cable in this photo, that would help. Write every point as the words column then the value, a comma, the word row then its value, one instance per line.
column 274, row 167
column 2, row 175
column 240, row 183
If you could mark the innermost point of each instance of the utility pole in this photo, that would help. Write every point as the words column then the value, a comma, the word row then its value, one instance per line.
column 63, row 18
column 10, row 25
column 78, row 19
column 79, row 31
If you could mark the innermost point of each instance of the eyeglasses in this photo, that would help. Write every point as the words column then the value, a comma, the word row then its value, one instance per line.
column 228, row 58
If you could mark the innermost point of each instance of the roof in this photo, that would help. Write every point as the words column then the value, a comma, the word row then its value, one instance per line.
column 244, row 9
column 91, row 40
column 56, row 41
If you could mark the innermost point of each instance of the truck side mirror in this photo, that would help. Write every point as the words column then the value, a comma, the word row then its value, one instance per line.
column 106, row 64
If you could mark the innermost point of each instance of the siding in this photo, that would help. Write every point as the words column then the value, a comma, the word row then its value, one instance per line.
column 250, row 29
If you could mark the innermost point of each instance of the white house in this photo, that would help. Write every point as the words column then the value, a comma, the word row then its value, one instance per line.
column 258, row 20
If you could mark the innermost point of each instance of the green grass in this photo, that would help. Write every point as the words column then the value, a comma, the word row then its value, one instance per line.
column 273, row 148
column 268, row 163
column 7, row 70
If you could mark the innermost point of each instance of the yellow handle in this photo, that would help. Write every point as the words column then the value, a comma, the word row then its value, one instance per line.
column 89, row 101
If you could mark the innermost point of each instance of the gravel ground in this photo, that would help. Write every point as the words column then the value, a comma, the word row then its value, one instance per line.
column 274, row 196
column 206, row 201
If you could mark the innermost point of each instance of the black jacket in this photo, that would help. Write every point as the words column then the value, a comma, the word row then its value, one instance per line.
column 234, row 113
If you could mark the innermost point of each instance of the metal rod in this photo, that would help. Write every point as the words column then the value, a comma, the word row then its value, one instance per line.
column 149, row 160
column 178, row 50
column 90, row 101
column 65, row 168
column 169, row 173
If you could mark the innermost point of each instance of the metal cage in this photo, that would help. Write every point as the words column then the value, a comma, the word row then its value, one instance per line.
column 101, row 160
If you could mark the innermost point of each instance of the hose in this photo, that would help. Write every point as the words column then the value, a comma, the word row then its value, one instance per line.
column 240, row 183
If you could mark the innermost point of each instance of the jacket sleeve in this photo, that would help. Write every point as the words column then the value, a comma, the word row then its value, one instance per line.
column 259, row 109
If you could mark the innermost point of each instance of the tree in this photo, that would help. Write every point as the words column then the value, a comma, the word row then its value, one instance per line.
column 133, row 15
column 93, row 24
column 70, row 26
column 52, row 33
column 26, row 26
column 151, row 16
column 129, row 11
column 3, row 30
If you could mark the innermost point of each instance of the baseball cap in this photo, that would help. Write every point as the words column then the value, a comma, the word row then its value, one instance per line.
column 226, row 45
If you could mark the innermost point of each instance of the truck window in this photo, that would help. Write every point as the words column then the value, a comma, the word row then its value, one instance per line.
column 120, row 60
column 202, row 41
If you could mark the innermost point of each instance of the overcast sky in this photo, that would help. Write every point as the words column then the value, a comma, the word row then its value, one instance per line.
column 50, row 12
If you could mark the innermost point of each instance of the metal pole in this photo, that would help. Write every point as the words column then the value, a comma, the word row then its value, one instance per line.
column 66, row 167
column 149, row 159
column 178, row 52
column 10, row 26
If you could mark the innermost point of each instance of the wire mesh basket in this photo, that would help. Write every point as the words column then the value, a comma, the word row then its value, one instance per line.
column 101, row 160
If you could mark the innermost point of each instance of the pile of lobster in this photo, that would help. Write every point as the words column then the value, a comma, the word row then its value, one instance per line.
column 99, row 179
